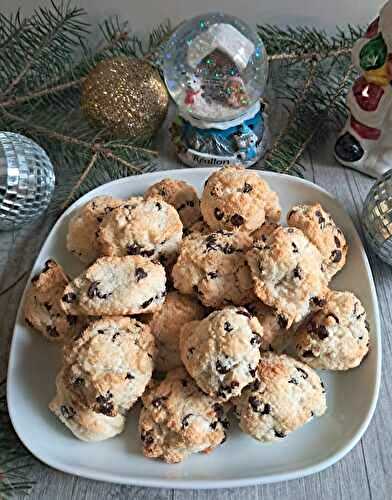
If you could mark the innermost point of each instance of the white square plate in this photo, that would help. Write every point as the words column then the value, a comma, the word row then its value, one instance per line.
column 241, row 461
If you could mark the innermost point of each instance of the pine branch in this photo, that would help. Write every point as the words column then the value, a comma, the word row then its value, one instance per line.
column 14, row 459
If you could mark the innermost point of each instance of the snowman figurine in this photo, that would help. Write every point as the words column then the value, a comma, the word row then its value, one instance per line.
column 365, row 143
column 246, row 144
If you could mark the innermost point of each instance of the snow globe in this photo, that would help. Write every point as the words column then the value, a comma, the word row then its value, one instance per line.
column 216, row 68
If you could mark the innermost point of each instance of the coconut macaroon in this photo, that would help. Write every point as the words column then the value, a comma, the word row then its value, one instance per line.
column 320, row 228
column 177, row 419
column 275, row 336
column 109, row 366
column 115, row 286
column 166, row 325
column 221, row 352
column 181, row 195
column 149, row 228
column 287, row 271
column 42, row 309
column 238, row 199
column 213, row 268
column 337, row 336
column 285, row 395
column 82, row 228
column 85, row 423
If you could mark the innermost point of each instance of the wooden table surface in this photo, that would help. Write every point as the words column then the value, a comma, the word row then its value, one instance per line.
column 365, row 473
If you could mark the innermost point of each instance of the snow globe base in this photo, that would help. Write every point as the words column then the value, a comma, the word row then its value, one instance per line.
column 206, row 145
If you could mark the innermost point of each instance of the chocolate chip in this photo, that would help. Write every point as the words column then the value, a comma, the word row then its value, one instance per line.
column 133, row 249
column 225, row 423
column 221, row 369
column 94, row 291
column 218, row 214
column 228, row 249
column 247, row 188
column 367, row 326
column 79, row 381
column 52, row 331
column 321, row 219
column 158, row 205
column 104, row 405
column 323, row 387
column 147, row 437
column 227, row 327
column 213, row 274
column 293, row 381
column 162, row 192
column 157, row 402
column 303, row 373
column 115, row 336
column 48, row 264
column 255, row 340
column 147, row 303
column 69, row 298
column 101, row 332
column 237, row 220
column 181, row 207
column 214, row 424
column 282, row 321
column 298, row 273
column 252, row 371
column 254, row 403
column 294, row 246
column 129, row 376
column 140, row 274
column 99, row 219
column 67, row 411
column 190, row 203
column 266, row 410
column 35, row 278
column 290, row 230
column 191, row 350
column 47, row 306
column 308, row 354
column 336, row 256
column 322, row 332
column 219, row 410
column 318, row 302
column 337, row 242
column 279, row 434
column 184, row 382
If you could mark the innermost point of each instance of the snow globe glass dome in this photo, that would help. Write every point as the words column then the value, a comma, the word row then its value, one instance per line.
column 215, row 67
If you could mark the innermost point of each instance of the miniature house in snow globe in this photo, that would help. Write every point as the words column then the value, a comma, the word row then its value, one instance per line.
column 216, row 69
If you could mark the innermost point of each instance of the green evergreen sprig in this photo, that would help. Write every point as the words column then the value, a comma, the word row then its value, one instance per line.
column 15, row 462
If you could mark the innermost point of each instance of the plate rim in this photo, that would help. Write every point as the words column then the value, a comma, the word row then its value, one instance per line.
column 197, row 484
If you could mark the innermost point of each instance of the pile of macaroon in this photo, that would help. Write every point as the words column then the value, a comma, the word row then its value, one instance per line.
column 199, row 307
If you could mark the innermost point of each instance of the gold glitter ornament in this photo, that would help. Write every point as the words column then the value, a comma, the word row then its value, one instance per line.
column 126, row 96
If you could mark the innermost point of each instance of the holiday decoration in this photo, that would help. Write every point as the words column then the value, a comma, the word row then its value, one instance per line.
column 310, row 73
column 125, row 96
column 216, row 68
column 26, row 180
column 365, row 142
column 377, row 217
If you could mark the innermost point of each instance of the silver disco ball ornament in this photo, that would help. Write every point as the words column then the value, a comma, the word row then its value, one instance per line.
column 26, row 180
column 377, row 217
